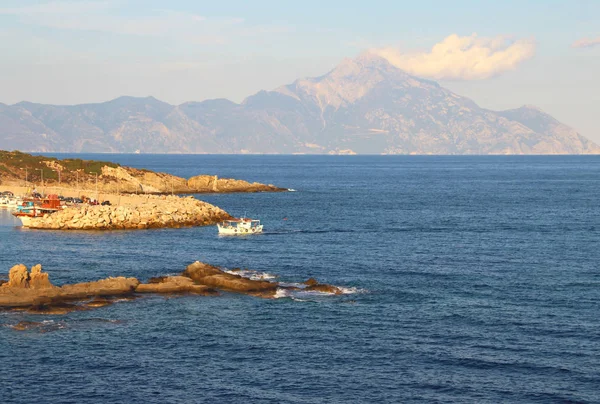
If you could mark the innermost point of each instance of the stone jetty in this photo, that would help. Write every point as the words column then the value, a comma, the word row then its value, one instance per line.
column 152, row 212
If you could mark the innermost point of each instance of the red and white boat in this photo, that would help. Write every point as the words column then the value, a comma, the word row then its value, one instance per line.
column 32, row 208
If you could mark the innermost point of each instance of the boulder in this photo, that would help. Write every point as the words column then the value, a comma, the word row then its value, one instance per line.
column 325, row 288
column 212, row 276
column 311, row 282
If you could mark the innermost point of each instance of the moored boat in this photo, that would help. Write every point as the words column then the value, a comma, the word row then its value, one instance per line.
column 240, row 227
column 30, row 209
column 5, row 199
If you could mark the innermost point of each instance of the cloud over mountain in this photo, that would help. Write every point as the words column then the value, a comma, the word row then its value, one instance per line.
column 463, row 58
column 586, row 42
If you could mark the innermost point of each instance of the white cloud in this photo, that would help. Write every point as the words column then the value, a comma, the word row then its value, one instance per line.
column 463, row 58
column 586, row 42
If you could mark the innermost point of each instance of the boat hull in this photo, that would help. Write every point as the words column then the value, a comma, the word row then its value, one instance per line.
column 25, row 220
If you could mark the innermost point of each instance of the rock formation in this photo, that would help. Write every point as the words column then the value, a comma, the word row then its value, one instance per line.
column 313, row 285
column 213, row 184
column 212, row 276
column 174, row 284
column 107, row 177
column 32, row 290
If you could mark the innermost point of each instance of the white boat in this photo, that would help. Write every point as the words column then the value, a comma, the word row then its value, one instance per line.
column 6, row 199
column 14, row 202
column 240, row 227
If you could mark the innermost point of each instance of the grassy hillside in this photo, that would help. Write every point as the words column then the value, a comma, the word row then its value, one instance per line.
column 13, row 165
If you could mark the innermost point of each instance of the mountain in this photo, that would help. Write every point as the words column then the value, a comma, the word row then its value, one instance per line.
column 364, row 105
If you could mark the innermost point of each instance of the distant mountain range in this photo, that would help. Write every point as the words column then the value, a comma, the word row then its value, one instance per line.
column 364, row 105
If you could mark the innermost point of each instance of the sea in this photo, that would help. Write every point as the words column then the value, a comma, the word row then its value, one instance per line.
column 466, row 279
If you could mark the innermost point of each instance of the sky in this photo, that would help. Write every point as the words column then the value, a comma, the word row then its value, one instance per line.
column 500, row 54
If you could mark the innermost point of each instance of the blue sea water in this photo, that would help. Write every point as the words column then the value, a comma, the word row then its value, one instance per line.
column 470, row 279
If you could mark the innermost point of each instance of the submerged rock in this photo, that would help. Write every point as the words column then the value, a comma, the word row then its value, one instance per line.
column 55, row 309
column 98, row 302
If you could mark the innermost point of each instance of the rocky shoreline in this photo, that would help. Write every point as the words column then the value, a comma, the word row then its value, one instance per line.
column 25, row 170
column 32, row 290
column 153, row 212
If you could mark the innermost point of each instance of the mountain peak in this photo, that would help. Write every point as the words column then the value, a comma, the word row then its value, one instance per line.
column 127, row 99
column 531, row 107
column 348, row 81
column 364, row 61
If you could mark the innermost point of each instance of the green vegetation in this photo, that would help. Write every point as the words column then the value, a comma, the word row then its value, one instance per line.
column 87, row 166
column 15, row 162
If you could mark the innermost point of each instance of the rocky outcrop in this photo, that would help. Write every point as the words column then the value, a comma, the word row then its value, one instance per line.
column 106, row 177
column 213, row 184
column 18, row 277
column 174, row 284
column 313, row 285
column 156, row 212
column 212, row 276
column 33, row 289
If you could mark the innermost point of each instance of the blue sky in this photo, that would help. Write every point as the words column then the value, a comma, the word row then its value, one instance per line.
column 66, row 52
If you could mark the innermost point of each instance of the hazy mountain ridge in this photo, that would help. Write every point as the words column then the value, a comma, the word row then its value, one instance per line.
column 364, row 105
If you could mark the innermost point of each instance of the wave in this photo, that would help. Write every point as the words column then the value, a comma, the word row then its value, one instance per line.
column 251, row 274
column 46, row 326
column 302, row 295
column 300, row 231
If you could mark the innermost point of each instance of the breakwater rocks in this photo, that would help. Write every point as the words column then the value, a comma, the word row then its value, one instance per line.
column 155, row 212
column 33, row 291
